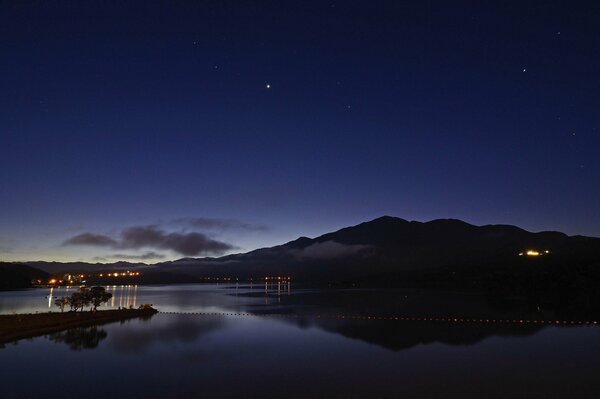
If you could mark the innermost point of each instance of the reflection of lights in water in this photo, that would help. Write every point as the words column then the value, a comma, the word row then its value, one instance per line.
column 134, row 295
column 127, row 295
column 50, row 297
column 282, row 286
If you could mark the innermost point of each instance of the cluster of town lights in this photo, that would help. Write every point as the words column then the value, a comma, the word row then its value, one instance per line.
column 121, row 274
column 251, row 279
column 533, row 252
column 72, row 279
column 79, row 278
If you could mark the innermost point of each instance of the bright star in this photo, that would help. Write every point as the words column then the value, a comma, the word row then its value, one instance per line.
column 268, row 86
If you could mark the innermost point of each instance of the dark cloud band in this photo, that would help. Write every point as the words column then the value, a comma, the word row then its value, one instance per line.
column 187, row 244
column 91, row 239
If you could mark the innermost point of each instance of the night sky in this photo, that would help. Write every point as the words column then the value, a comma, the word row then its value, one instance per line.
column 158, row 130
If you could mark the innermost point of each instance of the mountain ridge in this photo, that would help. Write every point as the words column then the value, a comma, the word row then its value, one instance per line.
column 384, row 245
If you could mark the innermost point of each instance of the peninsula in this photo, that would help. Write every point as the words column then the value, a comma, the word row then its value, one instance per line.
column 19, row 326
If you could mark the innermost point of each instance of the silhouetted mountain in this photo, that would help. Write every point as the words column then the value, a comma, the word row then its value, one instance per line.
column 444, row 253
column 388, row 247
column 16, row 276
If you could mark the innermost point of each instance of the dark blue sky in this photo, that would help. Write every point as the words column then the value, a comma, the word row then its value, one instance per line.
column 129, row 114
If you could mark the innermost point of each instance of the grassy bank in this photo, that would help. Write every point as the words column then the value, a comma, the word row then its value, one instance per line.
column 19, row 326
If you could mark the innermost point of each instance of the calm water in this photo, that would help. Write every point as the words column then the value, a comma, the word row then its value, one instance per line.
column 180, row 355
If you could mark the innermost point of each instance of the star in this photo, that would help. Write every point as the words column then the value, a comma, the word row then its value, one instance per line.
column 268, row 86
column 524, row 69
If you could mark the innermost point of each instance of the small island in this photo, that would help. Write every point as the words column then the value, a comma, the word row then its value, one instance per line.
column 19, row 326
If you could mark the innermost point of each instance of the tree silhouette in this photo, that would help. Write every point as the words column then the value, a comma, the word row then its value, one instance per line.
column 80, row 338
column 62, row 302
column 80, row 299
column 92, row 297
column 98, row 296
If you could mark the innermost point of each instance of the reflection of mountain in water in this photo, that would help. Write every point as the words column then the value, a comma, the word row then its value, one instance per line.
column 399, row 335
column 80, row 338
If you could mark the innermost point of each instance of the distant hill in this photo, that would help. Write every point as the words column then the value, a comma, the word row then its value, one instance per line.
column 505, row 262
column 17, row 276
column 387, row 249
column 63, row 267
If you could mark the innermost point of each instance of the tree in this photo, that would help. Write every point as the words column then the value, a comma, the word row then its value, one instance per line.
column 93, row 298
column 80, row 299
column 98, row 296
column 62, row 302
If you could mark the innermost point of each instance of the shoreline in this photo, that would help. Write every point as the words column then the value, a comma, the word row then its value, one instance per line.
column 15, row 327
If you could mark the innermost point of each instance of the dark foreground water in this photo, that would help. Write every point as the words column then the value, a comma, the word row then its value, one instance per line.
column 302, row 352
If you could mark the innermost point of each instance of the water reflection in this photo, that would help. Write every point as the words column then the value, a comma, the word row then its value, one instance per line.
column 50, row 296
column 80, row 338
column 123, row 296
column 400, row 335
column 164, row 329
column 188, row 297
column 299, row 355
column 275, row 297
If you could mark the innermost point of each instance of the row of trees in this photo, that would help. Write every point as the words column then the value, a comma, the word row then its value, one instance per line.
column 85, row 297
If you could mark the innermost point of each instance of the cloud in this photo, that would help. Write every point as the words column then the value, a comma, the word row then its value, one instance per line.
column 184, row 243
column 187, row 244
column 145, row 256
column 221, row 224
column 98, row 240
column 329, row 250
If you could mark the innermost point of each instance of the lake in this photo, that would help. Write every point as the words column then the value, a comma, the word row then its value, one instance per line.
column 227, row 341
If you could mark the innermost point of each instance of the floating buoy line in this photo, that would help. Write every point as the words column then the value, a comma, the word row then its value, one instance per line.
column 454, row 320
